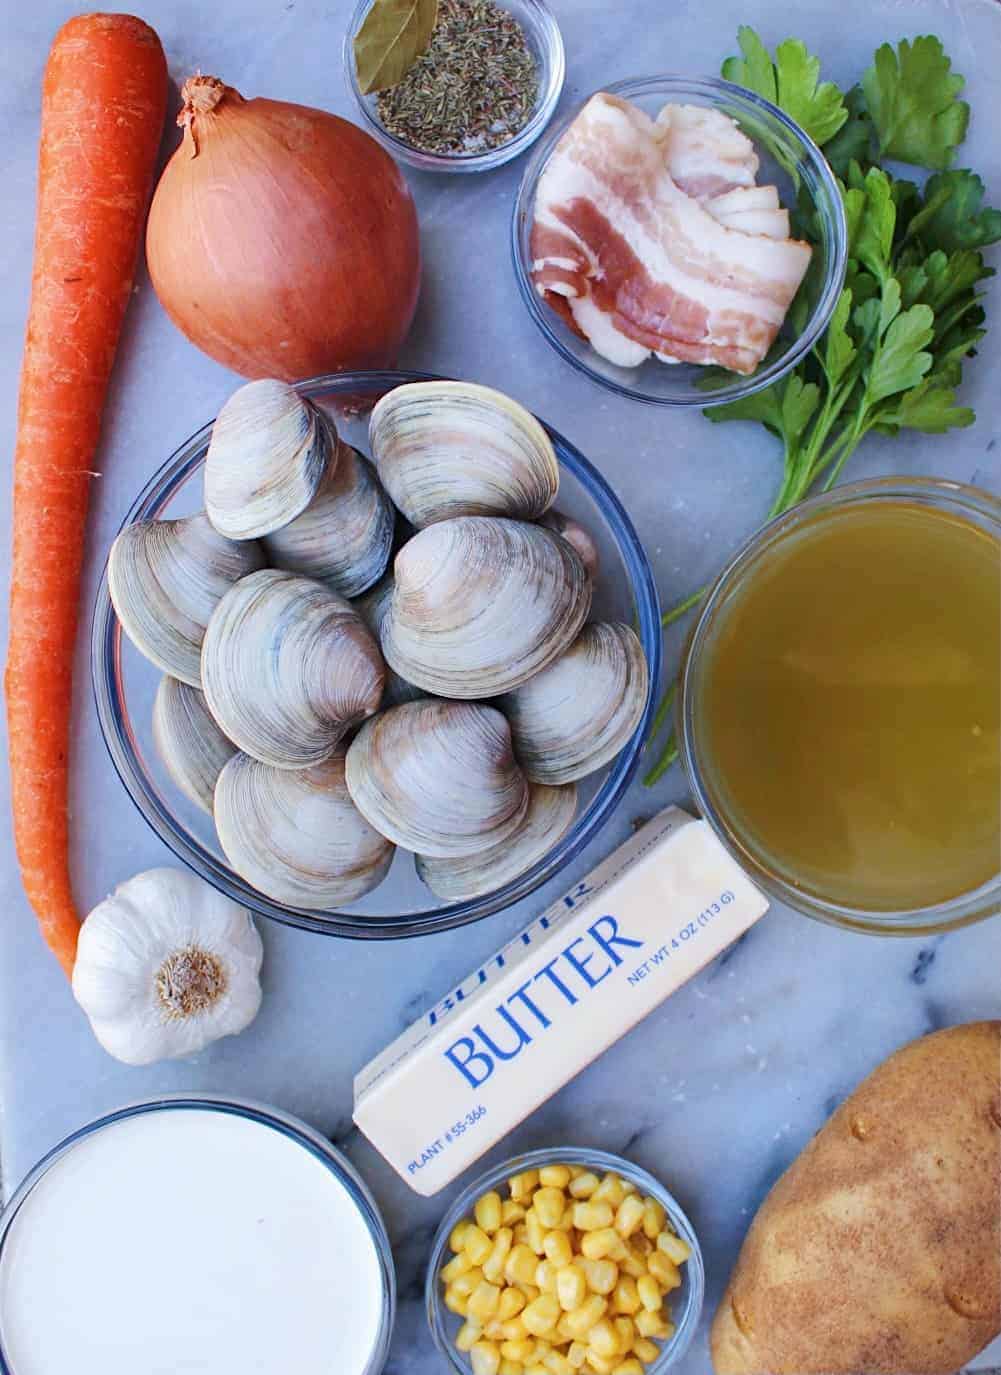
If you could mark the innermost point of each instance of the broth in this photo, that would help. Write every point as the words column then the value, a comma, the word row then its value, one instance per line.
column 849, row 706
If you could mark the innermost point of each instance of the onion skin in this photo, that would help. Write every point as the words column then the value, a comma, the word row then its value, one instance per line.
column 282, row 240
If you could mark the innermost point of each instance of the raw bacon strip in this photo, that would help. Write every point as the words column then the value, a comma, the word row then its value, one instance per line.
column 704, row 150
column 642, row 266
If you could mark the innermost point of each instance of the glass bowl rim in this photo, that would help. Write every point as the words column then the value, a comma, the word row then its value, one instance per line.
column 552, row 75
column 120, row 741
column 709, row 87
column 976, row 905
column 593, row 1157
column 286, row 1125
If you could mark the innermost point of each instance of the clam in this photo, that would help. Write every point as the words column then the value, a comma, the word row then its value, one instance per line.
column 481, row 604
column 549, row 816
column 447, row 449
column 345, row 534
column 372, row 608
column 288, row 667
column 576, row 534
column 267, row 456
column 578, row 713
column 437, row 777
column 189, row 742
column 166, row 577
column 295, row 834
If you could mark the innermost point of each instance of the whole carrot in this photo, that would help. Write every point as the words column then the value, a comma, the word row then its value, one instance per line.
column 103, row 104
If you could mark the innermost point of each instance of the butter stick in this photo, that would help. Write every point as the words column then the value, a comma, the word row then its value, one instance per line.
column 593, row 965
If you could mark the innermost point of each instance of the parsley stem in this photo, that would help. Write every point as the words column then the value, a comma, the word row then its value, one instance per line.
column 667, row 758
column 675, row 613
column 657, row 724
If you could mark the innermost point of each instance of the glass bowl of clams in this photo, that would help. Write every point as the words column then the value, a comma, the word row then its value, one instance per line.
column 378, row 675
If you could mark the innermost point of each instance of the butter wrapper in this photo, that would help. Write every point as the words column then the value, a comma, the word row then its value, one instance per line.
column 593, row 965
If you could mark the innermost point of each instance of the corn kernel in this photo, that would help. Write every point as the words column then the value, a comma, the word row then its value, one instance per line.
column 517, row 1350
column 630, row 1366
column 512, row 1301
column 476, row 1244
column 548, row 1205
column 603, row 1338
column 598, row 1244
column 535, row 1368
column 541, row 1314
column 494, row 1330
column 653, row 1325
column 664, row 1270
column 542, row 1348
column 628, row 1186
column 582, row 1319
column 625, row 1298
column 645, row 1349
column 629, row 1217
column 485, row 1358
column 655, row 1215
column 557, row 1364
column 512, row 1212
column 520, row 1233
column 673, row 1247
column 524, row 1184
column 602, row 1275
column 510, row 1368
column 591, row 1217
column 483, row 1301
column 625, row 1330
column 521, row 1264
column 555, row 1176
column 610, row 1190
column 571, row 1287
column 633, row 1263
column 558, row 1248
column 488, row 1211
column 535, row 1232
column 583, row 1185
column 567, row 1223
column 545, row 1276
column 601, row 1365
column 651, row 1295
column 457, row 1266
column 513, row 1329
column 456, row 1303
column 457, row 1233
column 529, row 1292
column 577, row 1355
column 468, row 1335
column 493, row 1266
column 467, row 1282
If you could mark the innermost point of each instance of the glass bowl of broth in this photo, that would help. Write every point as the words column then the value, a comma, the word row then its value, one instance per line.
column 840, row 703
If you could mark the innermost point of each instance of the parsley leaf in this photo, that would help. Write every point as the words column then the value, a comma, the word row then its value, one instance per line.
column 791, row 82
column 901, row 359
column 854, row 139
column 950, row 216
column 911, row 96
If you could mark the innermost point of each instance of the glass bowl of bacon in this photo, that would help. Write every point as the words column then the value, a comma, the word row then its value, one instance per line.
column 680, row 240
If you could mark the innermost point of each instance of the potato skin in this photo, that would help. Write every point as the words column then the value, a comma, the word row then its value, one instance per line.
column 878, row 1252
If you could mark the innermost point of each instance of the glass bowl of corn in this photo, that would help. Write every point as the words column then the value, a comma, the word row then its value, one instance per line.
column 564, row 1261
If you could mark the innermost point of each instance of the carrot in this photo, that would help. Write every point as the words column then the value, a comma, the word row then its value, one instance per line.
column 104, row 99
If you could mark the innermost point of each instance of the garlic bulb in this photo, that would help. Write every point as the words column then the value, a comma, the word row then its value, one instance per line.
column 165, row 966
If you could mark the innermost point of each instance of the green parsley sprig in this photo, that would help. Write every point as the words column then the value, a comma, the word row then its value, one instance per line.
column 909, row 315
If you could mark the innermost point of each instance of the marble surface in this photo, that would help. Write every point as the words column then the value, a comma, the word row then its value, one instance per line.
column 718, row 1090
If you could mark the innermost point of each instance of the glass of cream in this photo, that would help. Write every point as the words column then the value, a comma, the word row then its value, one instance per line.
column 194, row 1234
column 839, row 712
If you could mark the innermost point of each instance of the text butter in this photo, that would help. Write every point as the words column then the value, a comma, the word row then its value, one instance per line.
column 556, row 996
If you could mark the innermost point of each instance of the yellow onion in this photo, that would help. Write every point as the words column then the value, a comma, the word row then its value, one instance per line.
column 282, row 240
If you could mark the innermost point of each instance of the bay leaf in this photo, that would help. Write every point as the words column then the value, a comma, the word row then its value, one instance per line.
column 394, row 35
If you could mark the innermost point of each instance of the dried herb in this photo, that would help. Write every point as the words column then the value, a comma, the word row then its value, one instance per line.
column 394, row 35
column 473, row 89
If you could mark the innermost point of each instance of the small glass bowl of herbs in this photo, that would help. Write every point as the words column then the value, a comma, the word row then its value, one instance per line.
column 455, row 85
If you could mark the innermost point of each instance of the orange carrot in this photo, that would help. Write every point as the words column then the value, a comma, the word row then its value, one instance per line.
column 104, row 99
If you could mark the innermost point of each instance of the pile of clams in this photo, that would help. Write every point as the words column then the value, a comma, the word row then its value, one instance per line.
column 325, row 707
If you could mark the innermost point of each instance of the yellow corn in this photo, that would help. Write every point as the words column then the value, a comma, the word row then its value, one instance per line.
column 592, row 1217
column 517, row 1350
column 468, row 1335
column 557, row 1364
column 602, row 1275
column 483, row 1301
column 577, row 1355
column 604, row 1241
column 673, row 1247
column 610, row 1190
column 512, row 1301
column 583, row 1185
column 457, row 1266
column 625, row 1298
column 548, row 1205
column 541, row 1314
column 457, row 1233
column 522, row 1185
column 528, row 1291
column 535, row 1232
column 629, row 1217
column 494, row 1330
column 653, row 1325
column 582, row 1319
column 630, row 1366
column 485, row 1358
column 476, row 1244
column 456, row 1303
column 625, row 1330
column 558, row 1248
column 514, row 1330
column 521, row 1264
column 511, row 1212
column 664, row 1270
column 600, row 1365
column 510, row 1368
column 488, row 1211
column 555, row 1176
column 645, row 1349
column 655, row 1215
column 651, row 1296
column 545, row 1276
column 493, row 1266
column 571, row 1287
column 633, row 1263
column 467, row 1282
column 603, row 1338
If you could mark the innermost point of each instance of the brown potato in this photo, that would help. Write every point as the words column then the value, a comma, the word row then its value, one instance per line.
column 879, row 1249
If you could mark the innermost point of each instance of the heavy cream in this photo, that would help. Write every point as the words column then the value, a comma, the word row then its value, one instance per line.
column 189, row 1240
column 517, row 1029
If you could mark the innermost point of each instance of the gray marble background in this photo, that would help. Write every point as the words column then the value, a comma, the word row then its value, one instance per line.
column 718, row 1090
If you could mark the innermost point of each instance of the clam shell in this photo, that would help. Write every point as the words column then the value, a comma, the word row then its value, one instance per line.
column 446, row 449
column 191, row 745
column 267, row 455
column 372, row 608
column 437, row 777
column 345, row 535
column 288, row 667
column 166, row 577
column 481, row 604
column 576, row 534
column 549, row 816
column 578, row 713
column 295, row 835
